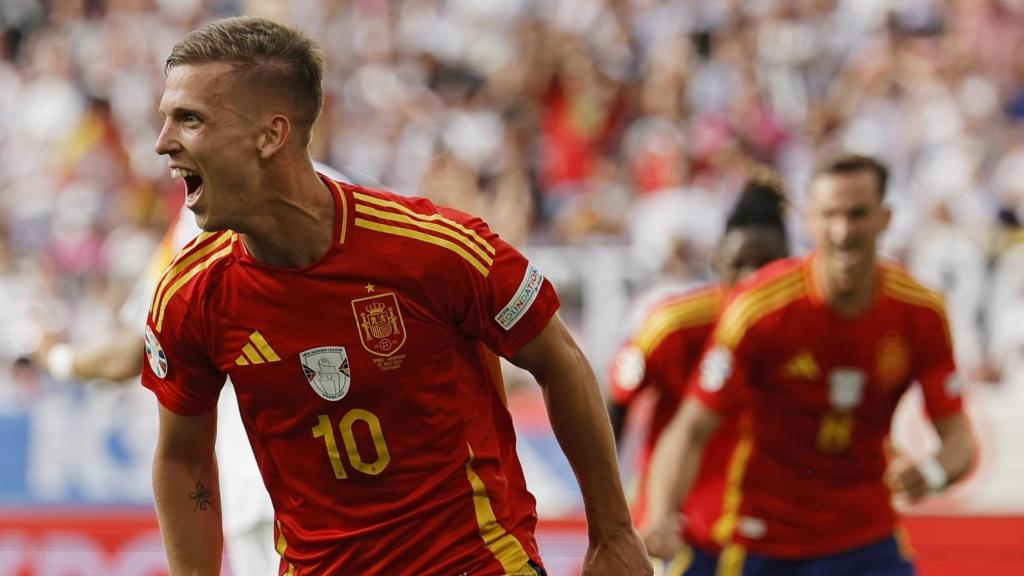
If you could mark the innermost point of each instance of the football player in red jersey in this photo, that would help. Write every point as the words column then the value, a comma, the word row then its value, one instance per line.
column 820, row 349
column 665, row 348
column 359, row 329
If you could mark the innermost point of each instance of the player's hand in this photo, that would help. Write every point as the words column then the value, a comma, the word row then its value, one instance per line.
column 618, row 553
column 905, row 480
column 661, row 536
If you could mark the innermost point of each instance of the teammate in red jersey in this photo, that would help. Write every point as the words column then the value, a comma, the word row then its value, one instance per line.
column 821, row 349
column 358, row 329
column 666, row 346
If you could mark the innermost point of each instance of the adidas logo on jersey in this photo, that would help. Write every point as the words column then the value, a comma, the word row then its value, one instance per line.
column 256, row 351
column 801, row 366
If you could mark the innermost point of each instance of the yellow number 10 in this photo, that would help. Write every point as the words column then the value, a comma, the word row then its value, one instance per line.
column 323, row 429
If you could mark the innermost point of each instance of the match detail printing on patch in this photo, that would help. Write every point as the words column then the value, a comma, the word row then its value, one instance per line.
column 522, row 300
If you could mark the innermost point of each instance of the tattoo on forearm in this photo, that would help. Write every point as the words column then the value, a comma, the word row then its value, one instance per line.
column 202, row 496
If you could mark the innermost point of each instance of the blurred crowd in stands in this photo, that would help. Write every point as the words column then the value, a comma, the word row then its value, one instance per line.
column 579, row 122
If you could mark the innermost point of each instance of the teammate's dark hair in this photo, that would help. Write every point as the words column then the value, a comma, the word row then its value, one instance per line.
column 761, row 204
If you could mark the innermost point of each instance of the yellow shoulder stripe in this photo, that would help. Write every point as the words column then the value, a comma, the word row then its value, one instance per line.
column 361, row 209
column 753, row 306
column 188, row 256
column 914, row 297
column 921, row 297
column 912, row 287
column 678, row 316
column 184, row 278
column 429, row 238
column 427, row 217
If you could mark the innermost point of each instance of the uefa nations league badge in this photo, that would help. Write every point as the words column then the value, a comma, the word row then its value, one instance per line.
column 327, row 370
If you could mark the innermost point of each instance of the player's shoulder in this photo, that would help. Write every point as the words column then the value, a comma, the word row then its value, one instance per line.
column 694, row 306
column 898, row 284
column 422, row 230
column 391, row 201
column 192, row 270
column 787, row 274
column 693, row 309
column 772, row 288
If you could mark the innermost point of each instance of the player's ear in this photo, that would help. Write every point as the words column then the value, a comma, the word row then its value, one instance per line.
column 273, row 136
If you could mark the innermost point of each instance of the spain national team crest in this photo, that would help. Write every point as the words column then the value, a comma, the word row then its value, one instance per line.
column 892, row 361
column 381, row 329
column 327, row 370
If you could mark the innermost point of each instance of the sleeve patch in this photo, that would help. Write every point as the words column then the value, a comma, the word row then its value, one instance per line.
column 155, row 354
column 630, row 368
column 954, row 385
column 716, row 369
column 522, row 299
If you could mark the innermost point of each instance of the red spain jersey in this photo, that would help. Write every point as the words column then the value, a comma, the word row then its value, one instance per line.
column 660, row 356
column 367, row 384
column 807, row 480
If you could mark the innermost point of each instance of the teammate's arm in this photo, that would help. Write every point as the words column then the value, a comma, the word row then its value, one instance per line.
column 673, row 471
column 115, row 357
column 187, row 492
column 956, row 455
column 580, row 423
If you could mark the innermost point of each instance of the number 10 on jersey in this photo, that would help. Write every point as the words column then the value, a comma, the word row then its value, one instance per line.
column 325, row 430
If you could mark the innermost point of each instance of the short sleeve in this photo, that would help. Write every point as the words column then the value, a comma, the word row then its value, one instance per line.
column 629, row 374
column 935, row 367
column 177, row 369
column 721, row 381
column 506, row 299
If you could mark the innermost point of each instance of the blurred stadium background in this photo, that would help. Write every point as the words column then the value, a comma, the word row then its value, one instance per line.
column 606, row 137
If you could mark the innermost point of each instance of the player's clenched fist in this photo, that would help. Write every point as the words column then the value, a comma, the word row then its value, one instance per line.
column 620, row 553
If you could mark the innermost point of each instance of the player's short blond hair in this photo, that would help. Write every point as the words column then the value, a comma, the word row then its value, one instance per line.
column 265, row 55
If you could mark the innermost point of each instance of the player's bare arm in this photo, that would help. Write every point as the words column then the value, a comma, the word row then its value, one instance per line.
column 185, row 487
column 580, row 423
column 674, row 467
column 913, row 481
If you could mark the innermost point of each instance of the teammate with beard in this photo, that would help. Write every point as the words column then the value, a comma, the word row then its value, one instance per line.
column 819, row 349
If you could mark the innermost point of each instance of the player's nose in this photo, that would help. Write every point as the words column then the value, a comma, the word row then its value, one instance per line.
column 166, row 141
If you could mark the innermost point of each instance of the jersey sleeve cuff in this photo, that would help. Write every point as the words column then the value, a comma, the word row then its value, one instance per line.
column 531, row 325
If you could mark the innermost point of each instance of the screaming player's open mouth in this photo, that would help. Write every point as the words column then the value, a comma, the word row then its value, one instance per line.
column 193, row 184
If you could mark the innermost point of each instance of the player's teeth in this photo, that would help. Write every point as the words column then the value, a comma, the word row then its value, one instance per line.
column 181, row 173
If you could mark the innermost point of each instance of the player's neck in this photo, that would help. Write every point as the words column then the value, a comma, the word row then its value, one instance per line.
column 849, row 294
column 296, row 225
